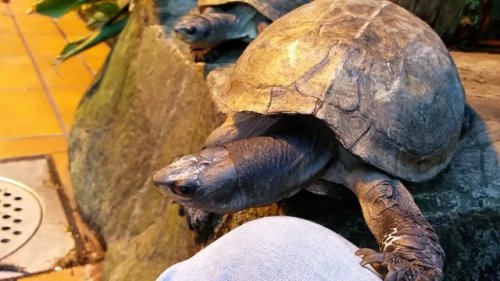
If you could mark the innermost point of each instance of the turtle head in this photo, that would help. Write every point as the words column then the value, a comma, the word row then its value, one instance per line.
column 199, row 180
column 193, row 29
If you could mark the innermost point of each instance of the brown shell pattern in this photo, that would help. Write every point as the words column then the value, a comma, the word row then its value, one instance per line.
column 379, row 76
column 272, row 9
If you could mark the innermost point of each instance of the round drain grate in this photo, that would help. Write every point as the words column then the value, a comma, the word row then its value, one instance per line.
column 20, row 215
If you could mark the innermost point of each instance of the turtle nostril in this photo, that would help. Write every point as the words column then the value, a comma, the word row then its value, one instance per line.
column 159, row 179
column 177, row 182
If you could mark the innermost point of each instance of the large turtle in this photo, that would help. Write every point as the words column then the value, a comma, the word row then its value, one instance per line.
column 356, row 92
column 225, row 20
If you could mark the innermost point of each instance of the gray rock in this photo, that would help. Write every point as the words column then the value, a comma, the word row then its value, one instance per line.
column 442, row 15
column 150, row 105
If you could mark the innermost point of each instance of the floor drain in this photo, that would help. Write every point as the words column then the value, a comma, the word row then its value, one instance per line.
column 20, row 215
column 35, row 233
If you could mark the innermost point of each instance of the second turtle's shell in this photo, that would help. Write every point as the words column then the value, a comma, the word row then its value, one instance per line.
column 380, row 78
column 272, row 9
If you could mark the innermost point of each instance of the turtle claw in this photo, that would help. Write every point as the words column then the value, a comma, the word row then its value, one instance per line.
column 200, row 221
column 395, row 267
column 365, row 252
column 204, row 55
column 369, row 256
column 196, row 218
column 391, row 276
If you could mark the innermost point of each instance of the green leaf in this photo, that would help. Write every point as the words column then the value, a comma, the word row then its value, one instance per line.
column 108, row 8
column 97, row 21
column 106, row 32
column 57, row 8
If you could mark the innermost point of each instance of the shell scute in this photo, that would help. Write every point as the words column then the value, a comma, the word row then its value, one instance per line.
column 272, row 9
column 378, row 76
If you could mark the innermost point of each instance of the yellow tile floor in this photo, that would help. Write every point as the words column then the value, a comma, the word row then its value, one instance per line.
column 37, row 100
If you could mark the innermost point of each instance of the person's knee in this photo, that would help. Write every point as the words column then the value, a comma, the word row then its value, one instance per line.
column 274, row 248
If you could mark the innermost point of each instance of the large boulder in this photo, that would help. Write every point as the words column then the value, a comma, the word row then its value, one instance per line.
column 443, row 15
column 152, row 104
column 149, row 105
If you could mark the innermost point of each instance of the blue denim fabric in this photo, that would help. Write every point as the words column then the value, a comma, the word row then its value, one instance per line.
column 274, row 248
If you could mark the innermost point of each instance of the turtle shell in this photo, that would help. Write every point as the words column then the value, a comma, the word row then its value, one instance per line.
column 272, row 9
column 380, row 78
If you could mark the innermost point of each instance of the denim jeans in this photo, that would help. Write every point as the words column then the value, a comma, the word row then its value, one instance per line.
column 274, row 248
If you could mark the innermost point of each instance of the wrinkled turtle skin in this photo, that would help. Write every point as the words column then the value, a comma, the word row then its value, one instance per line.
column 220, row 21
column 359, row 93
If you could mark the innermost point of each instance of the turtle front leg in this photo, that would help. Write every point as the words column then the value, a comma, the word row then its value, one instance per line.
column 200, row 221
column 204, row 55
column 409, row 246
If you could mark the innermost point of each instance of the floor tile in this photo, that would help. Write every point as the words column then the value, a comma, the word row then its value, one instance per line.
column 69, row 74
column 31, row 125
column 98, row 51
column 3, row 9
column 96, row 56
column 95, row 64
column 11, row 45
column 27, row 3
column 61, row 162
column 79, row 273
column 91, row 242
column 7, row 25
column 17, row 72
column 37, row 24
column 21, row 7
column 38, row 145
column 67, row 102
column 28, row 113
column 45, row 46
column 72, row 25
column 72, row 38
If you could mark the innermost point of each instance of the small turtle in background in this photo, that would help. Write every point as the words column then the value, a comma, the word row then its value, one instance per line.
column 225, row 20
column 359, row 93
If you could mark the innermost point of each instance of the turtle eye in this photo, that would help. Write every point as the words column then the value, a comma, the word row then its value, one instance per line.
column 191, row 30
column 183, row 189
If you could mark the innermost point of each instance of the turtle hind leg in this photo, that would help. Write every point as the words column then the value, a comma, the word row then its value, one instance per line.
column 225, row 52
